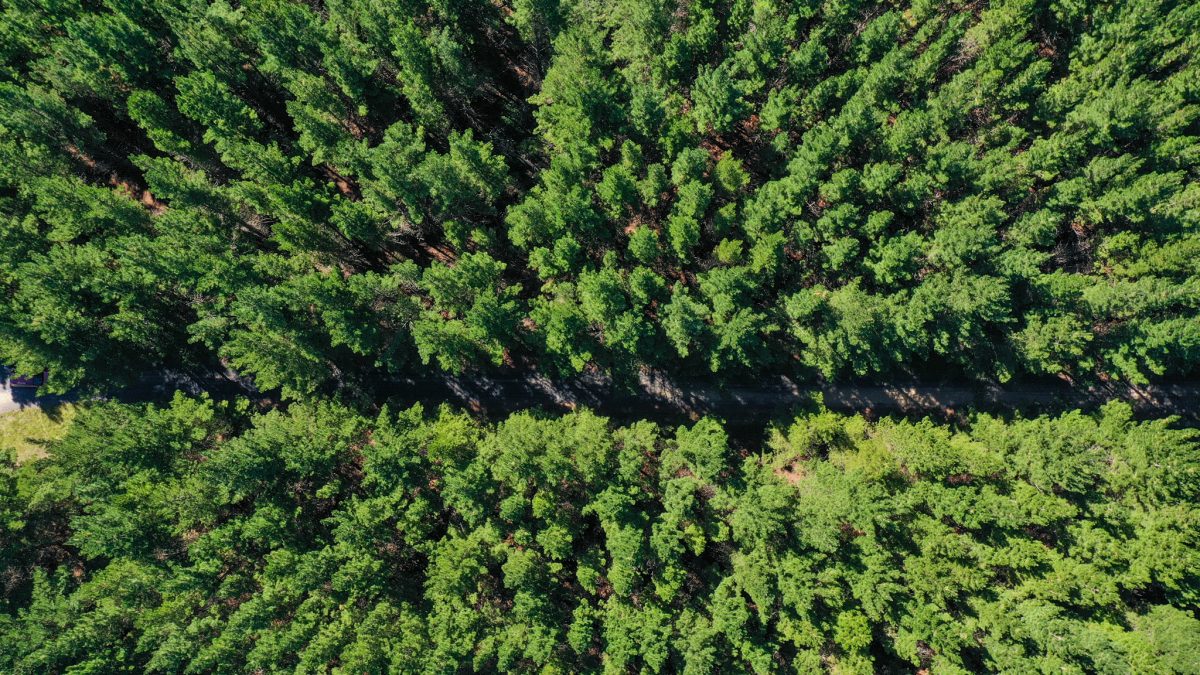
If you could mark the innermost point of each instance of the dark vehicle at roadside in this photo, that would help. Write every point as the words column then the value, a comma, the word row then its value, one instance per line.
column 27, row 381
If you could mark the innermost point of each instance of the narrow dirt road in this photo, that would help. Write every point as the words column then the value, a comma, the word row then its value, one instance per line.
column 659, row 396
column 655, row 396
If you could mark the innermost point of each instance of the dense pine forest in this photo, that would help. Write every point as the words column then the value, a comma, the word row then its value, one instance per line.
column 319, row 194
column 193, row 538
column 325, row 199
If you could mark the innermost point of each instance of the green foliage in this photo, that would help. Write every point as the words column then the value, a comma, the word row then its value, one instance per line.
column 197, row 537
column 717, row 103
column 473, row 313
column 322, row 195
column 993, row 192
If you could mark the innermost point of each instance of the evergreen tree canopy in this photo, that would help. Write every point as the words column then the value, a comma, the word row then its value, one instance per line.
column 307, row 192
column 195, row 537
column 325, row 198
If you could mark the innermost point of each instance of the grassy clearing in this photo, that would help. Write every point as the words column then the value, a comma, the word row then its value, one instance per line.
column 29, row 430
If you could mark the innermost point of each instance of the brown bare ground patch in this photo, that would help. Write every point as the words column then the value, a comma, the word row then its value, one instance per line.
column 791, row 473
column 344, row 185
column 634, row 223
column 439, row 253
